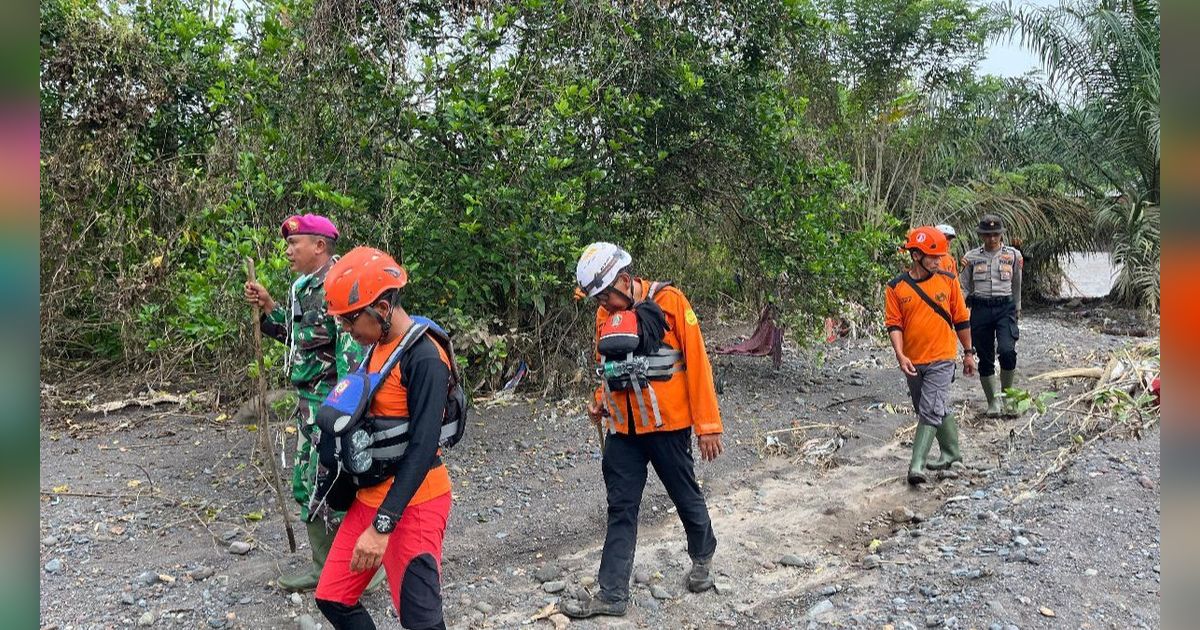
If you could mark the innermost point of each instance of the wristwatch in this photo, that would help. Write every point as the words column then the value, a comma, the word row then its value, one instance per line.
column 970, row 351
column 384, row 524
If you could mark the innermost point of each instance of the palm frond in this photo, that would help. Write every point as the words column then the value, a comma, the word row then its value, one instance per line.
column 1134, row 231
column 1055, row 224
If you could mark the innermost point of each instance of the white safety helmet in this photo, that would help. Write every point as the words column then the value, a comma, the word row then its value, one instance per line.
column 946, row 229
column 599, row 265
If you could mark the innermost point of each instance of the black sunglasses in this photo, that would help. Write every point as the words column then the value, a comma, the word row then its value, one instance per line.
column 348, row 319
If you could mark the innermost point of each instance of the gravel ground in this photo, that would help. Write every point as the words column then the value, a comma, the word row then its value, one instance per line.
column 144, row 512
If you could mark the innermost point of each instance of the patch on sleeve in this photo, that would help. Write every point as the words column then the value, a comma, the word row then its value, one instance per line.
column 690, row 317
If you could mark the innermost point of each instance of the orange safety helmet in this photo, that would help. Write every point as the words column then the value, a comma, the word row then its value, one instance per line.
column 928, row 240
column 359, row 278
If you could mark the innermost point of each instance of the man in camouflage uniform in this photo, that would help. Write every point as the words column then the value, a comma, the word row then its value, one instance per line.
column 991, row 282
column 318, row 355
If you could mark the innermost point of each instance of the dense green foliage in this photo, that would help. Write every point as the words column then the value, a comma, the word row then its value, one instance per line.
column 750, row 151
column 1102, row 58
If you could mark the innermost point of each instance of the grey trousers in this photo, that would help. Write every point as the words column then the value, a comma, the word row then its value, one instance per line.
column 930, row 391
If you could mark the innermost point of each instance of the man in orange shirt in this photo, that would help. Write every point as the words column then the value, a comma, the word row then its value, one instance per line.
column 400, row 521
column 657, row 390
column 924, row 311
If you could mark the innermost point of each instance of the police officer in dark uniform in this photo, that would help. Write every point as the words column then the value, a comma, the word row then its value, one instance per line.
column 991, row 279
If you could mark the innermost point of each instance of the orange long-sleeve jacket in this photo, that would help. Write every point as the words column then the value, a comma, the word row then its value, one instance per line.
column 688, row 398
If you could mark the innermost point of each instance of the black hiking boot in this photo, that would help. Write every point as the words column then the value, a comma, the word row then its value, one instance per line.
column 592, row 606
column 699, row 579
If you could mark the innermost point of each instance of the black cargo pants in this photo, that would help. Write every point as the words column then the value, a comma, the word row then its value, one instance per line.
column 994, row 327
column 624, row 466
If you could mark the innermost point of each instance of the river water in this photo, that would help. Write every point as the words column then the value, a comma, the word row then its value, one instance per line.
column 1088, row 275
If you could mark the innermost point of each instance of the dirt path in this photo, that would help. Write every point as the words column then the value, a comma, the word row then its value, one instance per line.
column 141, row 533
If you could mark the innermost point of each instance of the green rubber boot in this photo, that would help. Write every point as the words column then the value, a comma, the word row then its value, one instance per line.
column 989, row 392
column 922, row 440
column 1006, row 381
column 320, row 539
column 947, row 439
column 1006, row 378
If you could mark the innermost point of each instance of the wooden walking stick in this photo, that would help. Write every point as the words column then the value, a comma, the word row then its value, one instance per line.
column 263, row 420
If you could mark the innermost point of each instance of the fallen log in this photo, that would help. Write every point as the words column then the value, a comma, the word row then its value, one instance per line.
column 1070, row 373
column 150, row 399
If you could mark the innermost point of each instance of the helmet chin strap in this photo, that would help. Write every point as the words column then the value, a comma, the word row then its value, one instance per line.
column 627, row 296
column 385, row 323
column 920, row 263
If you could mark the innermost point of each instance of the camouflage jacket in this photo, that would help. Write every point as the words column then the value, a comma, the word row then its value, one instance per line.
column 319, row 353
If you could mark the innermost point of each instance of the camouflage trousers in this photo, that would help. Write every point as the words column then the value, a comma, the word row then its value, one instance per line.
column 304, row 463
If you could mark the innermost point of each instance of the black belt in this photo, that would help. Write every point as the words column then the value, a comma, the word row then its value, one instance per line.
column 990, row 301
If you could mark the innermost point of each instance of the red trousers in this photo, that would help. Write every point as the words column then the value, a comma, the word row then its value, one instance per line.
column 413, row 561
